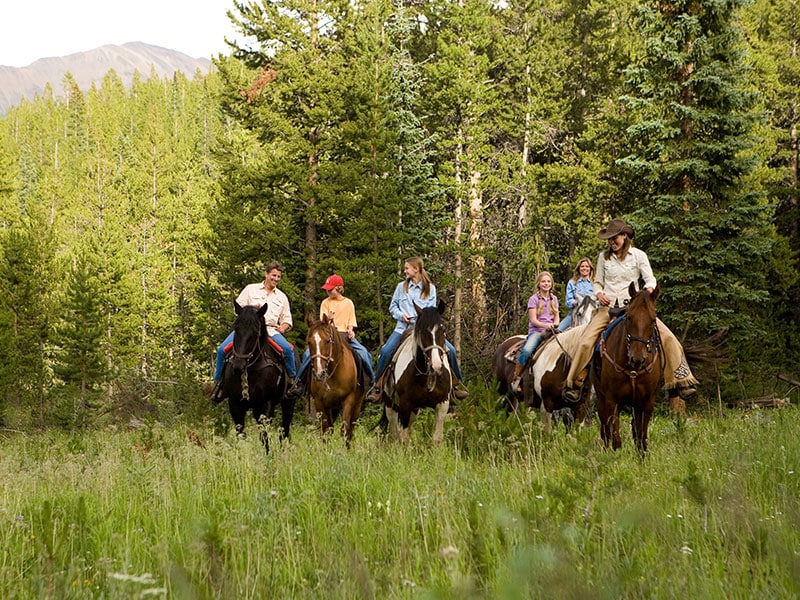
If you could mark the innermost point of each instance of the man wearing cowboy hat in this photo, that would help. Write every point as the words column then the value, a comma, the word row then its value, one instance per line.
column 618, row 266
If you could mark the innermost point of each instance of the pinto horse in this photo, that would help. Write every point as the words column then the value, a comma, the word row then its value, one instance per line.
column 419, row 376
column 543, row 380
column 628, row 369
column 254, row 377
column 335, row 386
column 505, row 362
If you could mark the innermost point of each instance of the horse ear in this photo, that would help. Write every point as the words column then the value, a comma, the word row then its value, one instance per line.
column 418, row 309
column 309, row 319
column 654, row 294
column 441, row 307
column 263, row 310
column 632, row 289
column 236, row 308
column 326, row 319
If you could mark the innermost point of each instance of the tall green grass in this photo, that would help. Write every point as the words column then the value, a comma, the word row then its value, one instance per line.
column 500, row 510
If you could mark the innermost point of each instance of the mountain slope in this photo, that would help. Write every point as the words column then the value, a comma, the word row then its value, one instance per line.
column 90, row 67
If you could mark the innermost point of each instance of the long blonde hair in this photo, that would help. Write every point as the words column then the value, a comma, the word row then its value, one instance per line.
column 540, row 308
column 417, row 263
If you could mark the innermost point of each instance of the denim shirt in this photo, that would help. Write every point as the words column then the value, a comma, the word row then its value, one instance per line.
column 582, row 288
column 403, row 303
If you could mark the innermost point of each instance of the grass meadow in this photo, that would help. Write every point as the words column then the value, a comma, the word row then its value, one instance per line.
column 501, row 510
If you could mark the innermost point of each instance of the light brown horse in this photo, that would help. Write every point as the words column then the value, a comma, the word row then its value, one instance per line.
column 628, row 369
column 335, row 384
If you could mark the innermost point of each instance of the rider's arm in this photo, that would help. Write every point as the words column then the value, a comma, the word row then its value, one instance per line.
column 569, row 298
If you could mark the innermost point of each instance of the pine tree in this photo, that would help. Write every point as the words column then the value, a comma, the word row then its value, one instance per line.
column 80, row 360
column 704, row 224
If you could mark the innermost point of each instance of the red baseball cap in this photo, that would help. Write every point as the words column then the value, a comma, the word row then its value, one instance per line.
column 332, row 281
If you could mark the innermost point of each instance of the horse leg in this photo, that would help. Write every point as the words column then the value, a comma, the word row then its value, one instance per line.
column 350, row 412
column 639, row 424
column 608, row 414
column 438, row 428
column 238, row 412
column 394, row 422
column 263, row 436
column 287, row 412
column 546, row 418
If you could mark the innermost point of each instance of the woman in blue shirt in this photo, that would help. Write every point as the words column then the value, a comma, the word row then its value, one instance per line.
column 579, row 286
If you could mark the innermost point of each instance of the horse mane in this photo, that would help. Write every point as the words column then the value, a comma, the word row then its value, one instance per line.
column 428, row 318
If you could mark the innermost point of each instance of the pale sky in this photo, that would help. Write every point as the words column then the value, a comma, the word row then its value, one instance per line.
column 34, row 29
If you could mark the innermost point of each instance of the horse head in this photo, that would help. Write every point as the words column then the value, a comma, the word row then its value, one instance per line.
column 640, row 325
column 249, row 335
column 321, row 341
column 429, row 337
column 585, row 309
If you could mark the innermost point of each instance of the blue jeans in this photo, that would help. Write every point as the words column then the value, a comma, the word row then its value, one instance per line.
column 288, row 354
column 363, row 353
column 565, row 322
column 391, row 345
column 534, row 339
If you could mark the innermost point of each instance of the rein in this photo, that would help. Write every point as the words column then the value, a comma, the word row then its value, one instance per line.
column 431, row 383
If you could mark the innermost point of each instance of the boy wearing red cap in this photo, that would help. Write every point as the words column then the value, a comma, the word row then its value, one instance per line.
column 343, row 312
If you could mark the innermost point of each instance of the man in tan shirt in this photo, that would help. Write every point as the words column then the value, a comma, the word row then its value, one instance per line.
column 278, row 318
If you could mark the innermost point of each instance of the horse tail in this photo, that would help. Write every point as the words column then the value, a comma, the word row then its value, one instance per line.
column 710, row 351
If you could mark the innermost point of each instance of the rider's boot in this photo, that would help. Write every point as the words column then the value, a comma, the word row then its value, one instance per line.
column 296, row 391
column 574, row 393
column 460, row 392
column 515, row 383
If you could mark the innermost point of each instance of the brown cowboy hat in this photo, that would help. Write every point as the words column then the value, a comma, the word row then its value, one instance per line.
column 614, row 228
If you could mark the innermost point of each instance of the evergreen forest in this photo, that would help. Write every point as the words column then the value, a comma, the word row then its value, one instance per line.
column 493, row 139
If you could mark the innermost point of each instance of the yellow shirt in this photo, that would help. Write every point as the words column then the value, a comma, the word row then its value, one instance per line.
column 342, row 311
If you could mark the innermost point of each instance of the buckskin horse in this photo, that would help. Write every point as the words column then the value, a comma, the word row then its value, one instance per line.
column 627, row 370
column 254, row 377
column 336, row 384
column 419, row 376
column 542, row 385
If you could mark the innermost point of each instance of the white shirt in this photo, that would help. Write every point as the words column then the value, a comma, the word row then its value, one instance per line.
column 278, row 312
column 614, row 276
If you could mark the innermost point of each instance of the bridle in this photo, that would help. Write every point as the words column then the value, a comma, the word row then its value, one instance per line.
column 246, row 356
column 427, row 353
column 328, row 359
column 652, row 348
column 249, row 358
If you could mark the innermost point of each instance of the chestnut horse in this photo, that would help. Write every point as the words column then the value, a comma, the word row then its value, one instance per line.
column 254, row 377
column 419, row 376
column 335, row 386
column 628, row 369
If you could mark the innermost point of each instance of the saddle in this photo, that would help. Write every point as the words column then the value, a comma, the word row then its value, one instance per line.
column 271, row 342
column 512, row 354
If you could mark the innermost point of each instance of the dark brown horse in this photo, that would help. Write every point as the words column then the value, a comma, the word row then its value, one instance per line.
column 627, row 370
column 254, row 377
column 419, row 376
column 335, row 386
